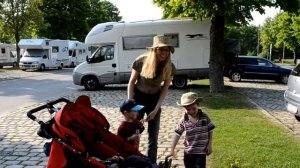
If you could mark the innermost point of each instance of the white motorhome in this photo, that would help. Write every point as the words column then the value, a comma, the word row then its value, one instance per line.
column 119, row 44
column 8, row 55
column 43, row 54
column 77, row 53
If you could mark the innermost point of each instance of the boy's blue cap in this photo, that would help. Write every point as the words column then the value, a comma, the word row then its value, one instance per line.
column 129, row 105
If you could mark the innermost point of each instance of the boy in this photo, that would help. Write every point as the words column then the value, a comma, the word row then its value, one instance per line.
column 198, row 128
column 131, row 128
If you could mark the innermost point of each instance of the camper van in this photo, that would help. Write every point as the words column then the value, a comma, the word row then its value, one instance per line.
column 41, row 54
column 119, row 44
column 8, row 56
column 77, row 53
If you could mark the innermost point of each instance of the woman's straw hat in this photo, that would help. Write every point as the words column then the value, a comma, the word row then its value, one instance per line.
column 161, row 41
column 189, row 98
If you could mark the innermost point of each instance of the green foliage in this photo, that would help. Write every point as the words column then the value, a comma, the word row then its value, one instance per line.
column 102, row 11
column 19, row 18
column 281, row 31
column 65, row 19
column 72, row 19
column 247, row 35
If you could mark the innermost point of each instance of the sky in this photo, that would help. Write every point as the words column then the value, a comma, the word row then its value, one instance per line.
column 137, row 10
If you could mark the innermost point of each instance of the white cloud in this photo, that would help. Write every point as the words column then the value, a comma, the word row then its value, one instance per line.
column 259, row 19
column 137, row 10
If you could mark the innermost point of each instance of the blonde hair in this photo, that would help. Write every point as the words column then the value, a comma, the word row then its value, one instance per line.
column 150, row 66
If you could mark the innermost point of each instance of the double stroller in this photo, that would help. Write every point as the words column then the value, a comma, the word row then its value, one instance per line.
column 81, row 138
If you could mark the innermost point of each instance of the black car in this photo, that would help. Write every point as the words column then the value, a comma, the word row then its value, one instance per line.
column 252, row 67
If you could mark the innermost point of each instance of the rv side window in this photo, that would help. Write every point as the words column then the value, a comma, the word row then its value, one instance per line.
column 173, row 39
column 104, row 53
column 80, row 51
column 83, row 50
column 137, row 42
column 55, row 49
column 3, row 50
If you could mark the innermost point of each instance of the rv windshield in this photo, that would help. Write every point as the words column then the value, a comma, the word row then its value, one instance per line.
column 103, row 53
column 35, row 53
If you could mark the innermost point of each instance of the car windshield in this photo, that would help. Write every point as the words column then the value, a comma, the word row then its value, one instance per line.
column 34, row 53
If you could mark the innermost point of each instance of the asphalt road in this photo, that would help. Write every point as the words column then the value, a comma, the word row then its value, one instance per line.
column 42, row 86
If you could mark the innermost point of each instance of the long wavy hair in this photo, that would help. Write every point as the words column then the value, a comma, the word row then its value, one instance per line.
column 150, row 65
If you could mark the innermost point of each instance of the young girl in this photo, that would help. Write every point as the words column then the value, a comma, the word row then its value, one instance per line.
column 198, row 128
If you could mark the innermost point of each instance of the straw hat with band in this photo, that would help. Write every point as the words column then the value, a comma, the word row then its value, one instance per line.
column 188, row 99
column 161, row 41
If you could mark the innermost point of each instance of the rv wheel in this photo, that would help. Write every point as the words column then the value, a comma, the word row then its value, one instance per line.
column 42, row 67
column 179, row 82
column 61, row 66
column 72, row 65
column 90, row 83
column 14, row 64
column 1, row 67
column 23, row 69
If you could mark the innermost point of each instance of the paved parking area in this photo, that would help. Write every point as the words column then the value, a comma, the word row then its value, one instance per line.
column 269, row 96
column 21, row 147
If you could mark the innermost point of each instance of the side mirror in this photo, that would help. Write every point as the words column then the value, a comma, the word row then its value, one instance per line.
column 88, row 60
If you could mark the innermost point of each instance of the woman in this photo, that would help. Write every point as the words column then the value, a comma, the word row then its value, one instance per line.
column 148, row 72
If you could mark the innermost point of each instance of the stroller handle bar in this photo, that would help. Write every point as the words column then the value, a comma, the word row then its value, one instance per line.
column 47, row 105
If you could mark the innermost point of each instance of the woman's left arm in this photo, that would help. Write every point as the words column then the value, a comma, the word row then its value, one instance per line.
column 162, row 97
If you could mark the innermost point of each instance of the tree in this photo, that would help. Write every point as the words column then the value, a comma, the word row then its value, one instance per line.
column 267, row 36
column 72, row 19
column 18, row 18
column 247, row 35
column 220, row 12
column 103, row 11
column 285, row 36
column 65, row 19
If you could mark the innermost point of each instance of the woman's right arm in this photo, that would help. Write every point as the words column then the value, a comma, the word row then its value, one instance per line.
column 131, row 83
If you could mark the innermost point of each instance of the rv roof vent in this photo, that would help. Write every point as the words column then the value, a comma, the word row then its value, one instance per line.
column 108, row 27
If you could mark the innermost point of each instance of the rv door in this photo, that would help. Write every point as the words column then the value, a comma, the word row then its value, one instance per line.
column 103, row 64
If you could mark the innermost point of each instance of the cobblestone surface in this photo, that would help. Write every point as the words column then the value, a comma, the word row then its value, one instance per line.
column 269, row 96
column 21, row 147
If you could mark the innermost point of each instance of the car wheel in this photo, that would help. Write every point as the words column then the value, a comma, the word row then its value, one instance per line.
column 90, row 83
column 235, row 77
column 285, row 79
column 14, row 64
column 42, row 67
column 297, row 118
column 61, row 66
column 179, row 82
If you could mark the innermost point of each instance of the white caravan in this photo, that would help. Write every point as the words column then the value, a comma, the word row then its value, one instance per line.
column 8, row 55
column 43, row 54
column 77, row 53
column 119, row 44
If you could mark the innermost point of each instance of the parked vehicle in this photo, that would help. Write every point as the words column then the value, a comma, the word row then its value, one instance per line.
column 43, row 54
column 292, row 94
column 252, row 67
column 77, row 53
column 119, row 44
column 8, row 56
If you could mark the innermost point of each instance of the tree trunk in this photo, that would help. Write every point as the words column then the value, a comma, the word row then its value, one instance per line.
column 295, row 59
column 216, row 60
column 17, row 38
column 283, row 53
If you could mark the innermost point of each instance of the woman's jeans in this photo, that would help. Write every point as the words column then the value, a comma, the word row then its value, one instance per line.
column 149, row 101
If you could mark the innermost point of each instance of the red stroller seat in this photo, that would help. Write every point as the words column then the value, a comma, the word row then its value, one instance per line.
column 81, row 135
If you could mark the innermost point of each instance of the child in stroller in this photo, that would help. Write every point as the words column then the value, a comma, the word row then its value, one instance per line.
column 81, row 138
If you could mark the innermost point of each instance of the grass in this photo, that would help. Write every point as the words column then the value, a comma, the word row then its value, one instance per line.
column 244, row 137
